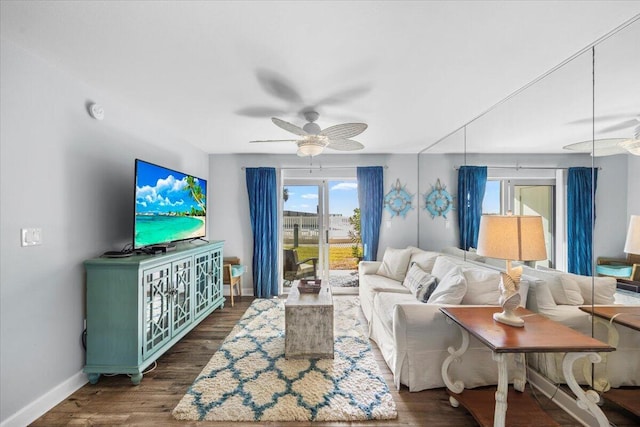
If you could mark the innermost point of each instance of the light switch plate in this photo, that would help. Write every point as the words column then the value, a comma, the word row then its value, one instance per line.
column 31, row 236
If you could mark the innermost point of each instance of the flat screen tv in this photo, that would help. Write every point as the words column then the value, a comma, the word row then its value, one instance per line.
column 169, row 206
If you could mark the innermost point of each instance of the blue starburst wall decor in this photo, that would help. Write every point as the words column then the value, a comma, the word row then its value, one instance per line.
column 438, row 202
column 398, row 201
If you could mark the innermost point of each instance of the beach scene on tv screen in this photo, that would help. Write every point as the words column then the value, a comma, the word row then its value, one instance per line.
column 169, row 205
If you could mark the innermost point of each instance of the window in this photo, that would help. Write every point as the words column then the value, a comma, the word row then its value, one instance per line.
column 524, row 197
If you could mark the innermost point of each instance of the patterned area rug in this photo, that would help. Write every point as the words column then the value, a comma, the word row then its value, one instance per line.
column 249, row 379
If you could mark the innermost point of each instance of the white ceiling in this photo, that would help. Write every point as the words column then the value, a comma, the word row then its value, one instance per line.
column 414, row 71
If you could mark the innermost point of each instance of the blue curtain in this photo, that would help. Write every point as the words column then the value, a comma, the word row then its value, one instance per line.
column 581, row 185
column 370, row 199
column 263, row 207
column 472, row 181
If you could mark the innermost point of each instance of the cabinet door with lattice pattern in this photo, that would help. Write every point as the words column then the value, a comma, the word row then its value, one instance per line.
column 158, row 291
column 203, row 295
column 181, row 295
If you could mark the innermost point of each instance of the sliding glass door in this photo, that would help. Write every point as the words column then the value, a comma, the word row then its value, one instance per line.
column 320, row 220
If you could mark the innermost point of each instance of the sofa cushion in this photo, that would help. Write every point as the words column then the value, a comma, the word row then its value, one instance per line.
column 394, row 263
column 483, row 287
column 378, row 283
column 425, row 259
column 420, row 283
column 471, row 255
column 604, row 287
column 451, row 288
column 563, row 294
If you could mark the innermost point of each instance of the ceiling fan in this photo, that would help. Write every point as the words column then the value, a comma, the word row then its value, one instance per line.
column 612, row 146
column 314, row 140
column 285, row 90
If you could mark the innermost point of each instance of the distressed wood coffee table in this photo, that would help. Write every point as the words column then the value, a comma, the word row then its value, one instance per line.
column 308, row 324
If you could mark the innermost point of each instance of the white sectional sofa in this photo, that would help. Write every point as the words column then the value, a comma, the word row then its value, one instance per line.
column 414, row 336
column 558, row 296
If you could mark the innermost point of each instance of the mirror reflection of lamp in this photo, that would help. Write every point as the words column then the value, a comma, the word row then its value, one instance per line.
column 512, row 238
column 632, row 244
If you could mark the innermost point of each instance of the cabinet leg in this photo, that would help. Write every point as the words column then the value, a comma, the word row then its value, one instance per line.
column 93, row 378
column 136, row 378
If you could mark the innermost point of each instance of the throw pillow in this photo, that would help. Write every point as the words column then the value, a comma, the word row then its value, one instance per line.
column 604, row 287
column 425, row 259
column 483, row 287
column 563, row 293
column 420, row 283
column 394, row 263
column 443, row 265
column 451, row 288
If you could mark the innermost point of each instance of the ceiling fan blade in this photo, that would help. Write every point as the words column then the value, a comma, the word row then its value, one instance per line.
column 602, row 118
column 345, row 95
column 289, row 127
column 344, row 131
column 260, row 112
column 278, row 86
column 632, row 146
column 345, row 145
column 276, row 140
column 622, row 125
column 601, row 147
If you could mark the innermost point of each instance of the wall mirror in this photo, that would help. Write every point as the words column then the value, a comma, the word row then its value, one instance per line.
column 568, row 118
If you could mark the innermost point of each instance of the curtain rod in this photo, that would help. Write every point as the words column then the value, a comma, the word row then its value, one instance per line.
column 516, row 167
column 314, row 167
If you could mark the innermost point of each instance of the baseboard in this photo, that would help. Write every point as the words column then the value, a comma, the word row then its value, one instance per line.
column 44, row 403
column 560, row 398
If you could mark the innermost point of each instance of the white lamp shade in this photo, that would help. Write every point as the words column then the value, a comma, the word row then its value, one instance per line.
column 632, row 245
column 512, row 237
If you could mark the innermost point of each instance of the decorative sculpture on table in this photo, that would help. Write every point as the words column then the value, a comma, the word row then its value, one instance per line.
column 512, row 238
column 398, row 201
column 438, row 202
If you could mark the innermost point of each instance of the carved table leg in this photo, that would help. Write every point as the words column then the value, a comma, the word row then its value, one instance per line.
column 602, row 384
column 454, row 355
column 500, row 413
column 520, row 381
column 586, row 400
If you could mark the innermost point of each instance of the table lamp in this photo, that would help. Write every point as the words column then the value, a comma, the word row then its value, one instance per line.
column 512, row 238
column 632, row 245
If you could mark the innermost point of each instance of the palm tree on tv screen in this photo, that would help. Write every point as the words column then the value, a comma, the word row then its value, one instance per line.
column 196, row 193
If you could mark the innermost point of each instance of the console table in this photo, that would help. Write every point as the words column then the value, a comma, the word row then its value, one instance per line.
column 628, row 316
column 539, row 334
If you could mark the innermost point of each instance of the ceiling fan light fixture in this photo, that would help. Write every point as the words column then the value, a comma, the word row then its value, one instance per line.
column 312, row 146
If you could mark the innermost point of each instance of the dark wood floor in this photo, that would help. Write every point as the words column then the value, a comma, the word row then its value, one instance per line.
column 114, row 401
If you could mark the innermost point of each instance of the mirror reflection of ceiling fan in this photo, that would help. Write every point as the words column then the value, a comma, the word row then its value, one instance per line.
column 314, row 140
column 612, row 146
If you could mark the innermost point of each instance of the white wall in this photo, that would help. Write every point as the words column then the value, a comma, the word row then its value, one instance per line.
column 633, row 186
column 229, row 211
column 73, row 177
column 611, row 200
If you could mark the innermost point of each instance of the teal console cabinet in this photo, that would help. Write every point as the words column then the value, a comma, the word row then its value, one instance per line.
column 140, row 306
